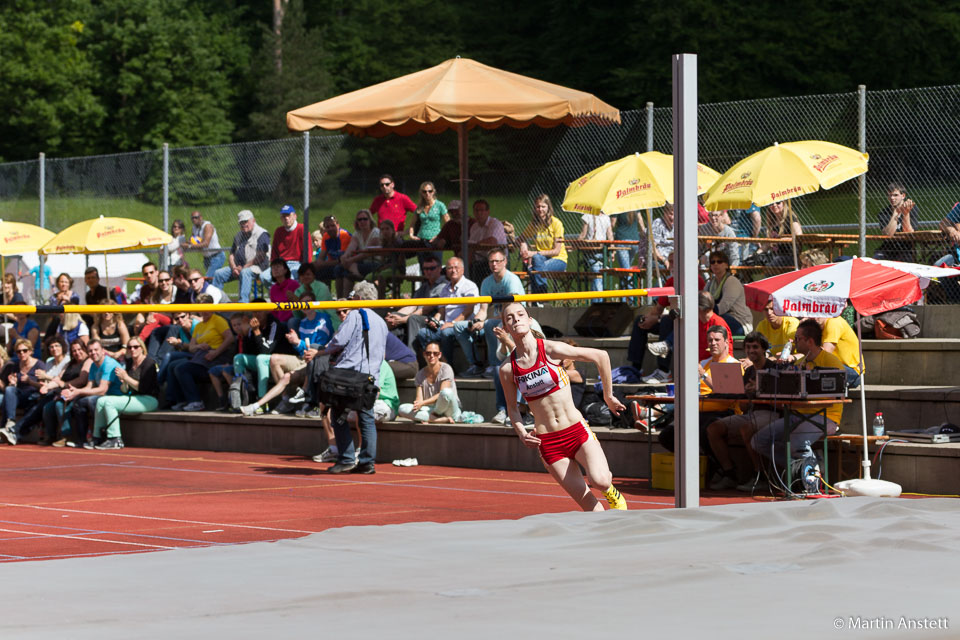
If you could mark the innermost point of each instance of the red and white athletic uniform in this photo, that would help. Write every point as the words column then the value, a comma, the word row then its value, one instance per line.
column 538, row 381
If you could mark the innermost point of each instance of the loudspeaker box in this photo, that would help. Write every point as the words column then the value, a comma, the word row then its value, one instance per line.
column 605, row 320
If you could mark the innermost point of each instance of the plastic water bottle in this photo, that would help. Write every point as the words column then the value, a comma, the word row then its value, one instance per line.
column 810, row 470
column 787, row 350
column 878, row 429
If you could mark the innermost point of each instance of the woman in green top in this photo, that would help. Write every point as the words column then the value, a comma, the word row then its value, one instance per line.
column 431, row 215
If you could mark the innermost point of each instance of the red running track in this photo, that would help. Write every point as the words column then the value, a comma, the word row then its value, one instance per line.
column 61, row 503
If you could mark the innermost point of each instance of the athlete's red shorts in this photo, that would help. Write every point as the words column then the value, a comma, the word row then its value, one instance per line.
column 557, row 445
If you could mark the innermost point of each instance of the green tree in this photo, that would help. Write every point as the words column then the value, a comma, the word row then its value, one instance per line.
column 48, row 81
column 172, row 72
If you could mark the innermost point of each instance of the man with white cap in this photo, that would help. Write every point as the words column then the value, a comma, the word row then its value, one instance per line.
column 248, row 255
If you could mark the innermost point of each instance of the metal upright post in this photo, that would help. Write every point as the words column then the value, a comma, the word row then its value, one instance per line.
column 685, row 372
column 164, row 258
column 862, row 126
column 306, row 197
column 648, row 278
column 43, row 223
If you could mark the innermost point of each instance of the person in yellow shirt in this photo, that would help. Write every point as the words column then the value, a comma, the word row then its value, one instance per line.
column 541, row 246
column 840, row 340
column 811, row 424
column 778, row 330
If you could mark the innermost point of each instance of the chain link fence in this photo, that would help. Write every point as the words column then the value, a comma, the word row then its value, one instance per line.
column 911, row 136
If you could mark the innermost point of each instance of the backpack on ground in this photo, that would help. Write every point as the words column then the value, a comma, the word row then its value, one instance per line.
column 240, row 394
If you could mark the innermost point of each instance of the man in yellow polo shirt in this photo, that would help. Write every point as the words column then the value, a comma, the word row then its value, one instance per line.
column 840, row 340
column 778, row 330
column 813, row 423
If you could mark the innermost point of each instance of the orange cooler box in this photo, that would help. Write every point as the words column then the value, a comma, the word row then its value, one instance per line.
column 662, row 468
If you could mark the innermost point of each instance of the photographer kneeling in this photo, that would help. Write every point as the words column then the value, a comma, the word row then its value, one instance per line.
column 361, row 342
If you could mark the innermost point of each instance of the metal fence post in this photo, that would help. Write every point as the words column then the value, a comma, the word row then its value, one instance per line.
column 648, row 277
column 164, row 259
column 862, row 132
column 43, row 223
column 306, row 197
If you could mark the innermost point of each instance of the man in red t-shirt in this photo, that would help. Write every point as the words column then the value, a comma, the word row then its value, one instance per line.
column 708, row 318
column 333, row 243
column 288, row 243
column 391, row 204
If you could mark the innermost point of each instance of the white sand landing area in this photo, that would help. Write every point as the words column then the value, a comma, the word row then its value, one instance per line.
column 886, row 568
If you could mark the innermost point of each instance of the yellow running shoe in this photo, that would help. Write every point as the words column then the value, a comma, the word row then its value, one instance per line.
column 615, row 499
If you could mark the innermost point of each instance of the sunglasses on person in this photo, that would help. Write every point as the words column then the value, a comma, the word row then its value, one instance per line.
column 431, row 353
column 180, row 317
column 198, row 279
column 433, row 268
column 133, row 346
column 24, row 350
column 385, row 184
column 718, row 262
column 165, row 279
column 363, row 219
column 426, row 191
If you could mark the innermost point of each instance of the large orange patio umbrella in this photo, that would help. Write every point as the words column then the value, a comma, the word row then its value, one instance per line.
column 458, row 94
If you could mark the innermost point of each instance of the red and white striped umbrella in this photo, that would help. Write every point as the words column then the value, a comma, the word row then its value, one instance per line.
column 871, row 286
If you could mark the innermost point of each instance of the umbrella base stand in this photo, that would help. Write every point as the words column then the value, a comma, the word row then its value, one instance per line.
column 870, row 488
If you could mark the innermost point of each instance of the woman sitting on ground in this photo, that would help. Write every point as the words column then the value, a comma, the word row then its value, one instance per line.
column 22, row 388
column 728, row 294
column 437, row 399
column 141, row 390
column 112, row 333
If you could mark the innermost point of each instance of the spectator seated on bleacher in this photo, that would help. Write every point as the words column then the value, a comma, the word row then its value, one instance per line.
column 401, row 358
column 541, row 246
column 282, row 288
column 728, row 293
column 354, row 264
column 777, row 225
column 71, row 326
column 500, row 283
column 778, row 330
column 169, row 343
column 24, row 327
column 746, row 223
column 249, row 256
column 436, row 399
column 654, row 317
column 407, row 322
column 209, row 345
column 256, row 344
column 309, row 284
column 810, row 424
column 451, row 323
column 49, row 388
column 102, row 380
column 740, row 428
column 51, row 404
column 331, row 246
column 140, row 388
column 718, row 227
column 199, row 286
column 595, row 227
column 900, row 216
column 484, row 230
column 21, row 389
column 288, row 371
column 707, row 319
column 390, row 264
column 450, row 237
column 112, row 333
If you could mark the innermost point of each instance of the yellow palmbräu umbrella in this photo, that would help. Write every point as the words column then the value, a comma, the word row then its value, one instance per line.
column 17, row 238
column 785, row 171
column 106, row 235
column 635, row 182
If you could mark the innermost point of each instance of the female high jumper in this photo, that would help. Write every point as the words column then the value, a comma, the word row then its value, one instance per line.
column 560, row 432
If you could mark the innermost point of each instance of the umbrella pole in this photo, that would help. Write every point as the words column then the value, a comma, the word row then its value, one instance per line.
column 863, row 401
column 648, row 276
column 793, row 237
column 464, row 204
